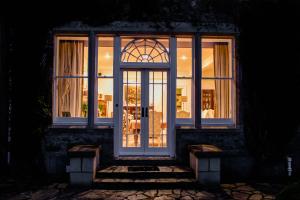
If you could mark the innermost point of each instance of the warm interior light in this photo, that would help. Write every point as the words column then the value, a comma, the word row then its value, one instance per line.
column 183, row 57
column 107, row 56
column 145, row 57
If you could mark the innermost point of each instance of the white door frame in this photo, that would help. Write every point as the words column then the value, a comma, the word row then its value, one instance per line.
column 144, row 148
column 171, row 66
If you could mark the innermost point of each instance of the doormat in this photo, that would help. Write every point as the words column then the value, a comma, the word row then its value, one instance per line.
column 143, row 168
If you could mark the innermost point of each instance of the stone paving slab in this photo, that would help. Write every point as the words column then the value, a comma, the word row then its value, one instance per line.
column 116, row 169
column 237, row 191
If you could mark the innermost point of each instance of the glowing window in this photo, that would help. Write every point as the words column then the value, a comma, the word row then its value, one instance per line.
column 105, row 77
column 71, row 78
column 145, row 50
column 217, row 92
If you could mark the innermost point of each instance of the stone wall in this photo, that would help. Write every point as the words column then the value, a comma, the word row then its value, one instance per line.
column 235, row 162
column 58, row 140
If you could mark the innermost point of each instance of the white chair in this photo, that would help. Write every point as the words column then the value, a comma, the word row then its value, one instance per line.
column 155, row 125
column 182, row 114
column 126, row 120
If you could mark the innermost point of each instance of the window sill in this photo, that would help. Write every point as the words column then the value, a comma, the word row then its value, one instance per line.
column 230, row 130
column 69, row 121
column 72, row 127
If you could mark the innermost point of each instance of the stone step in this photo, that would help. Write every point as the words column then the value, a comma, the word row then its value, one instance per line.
column 153, row 172
column 134, row 161
column 159, row 183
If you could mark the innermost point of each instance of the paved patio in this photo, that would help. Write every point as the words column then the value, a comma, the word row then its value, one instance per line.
column 227, row 191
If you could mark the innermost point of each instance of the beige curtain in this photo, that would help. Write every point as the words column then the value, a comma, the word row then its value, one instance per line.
column 222, row 90
column 70, row 89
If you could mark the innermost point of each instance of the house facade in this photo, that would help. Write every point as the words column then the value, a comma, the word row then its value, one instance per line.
column 146, row 89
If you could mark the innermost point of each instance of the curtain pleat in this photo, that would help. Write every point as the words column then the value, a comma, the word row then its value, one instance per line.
column 70, row 89
column 221, row 70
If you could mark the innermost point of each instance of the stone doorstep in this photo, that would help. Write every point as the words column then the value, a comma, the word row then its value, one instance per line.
column 84, row 151
column 161, row 183
column 82, row 165
column 205, row 161
column 84, row 160
column 209, row 164
column 165, row 169
column 82, row 178
column 163, row 172
column 144, row 161
column 167, row 177
column 153, row 180
column 208, row 178
column 205, row 150
column 82, row 171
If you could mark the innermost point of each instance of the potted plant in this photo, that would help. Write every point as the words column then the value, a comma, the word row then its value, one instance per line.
column 84, row 109
column 100, row 107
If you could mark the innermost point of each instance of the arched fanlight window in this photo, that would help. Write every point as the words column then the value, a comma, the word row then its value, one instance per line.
column 145, row 50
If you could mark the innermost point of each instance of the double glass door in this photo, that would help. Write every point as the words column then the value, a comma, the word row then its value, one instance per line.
column 144, row 112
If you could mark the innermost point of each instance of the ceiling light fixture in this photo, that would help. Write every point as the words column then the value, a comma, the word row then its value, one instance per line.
column 183, row 57
column 107, row 56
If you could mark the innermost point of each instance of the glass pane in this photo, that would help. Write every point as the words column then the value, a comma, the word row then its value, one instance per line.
column 183, row 98
column 145, row 50
column 105, row 56
column 71, row 97
column 184, row 57
column 105, row 98
column 216, row 99
column 131, row 125
column 157, row 109
column 72, row 58
column 158, row 77
column 216, row 58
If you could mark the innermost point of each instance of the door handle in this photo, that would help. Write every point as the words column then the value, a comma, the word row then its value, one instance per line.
column 142, row 111
column 146, row 111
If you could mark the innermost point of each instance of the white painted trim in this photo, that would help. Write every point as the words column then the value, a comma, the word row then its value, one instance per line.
column 64, row 120
column 145, row 103
column 172, row 97
column 144, row 135
column 104, row 121
column 191, row 120
column 140, row 65
column 217, row 122
column 54, row 107
column 185, row 121
column 193, row 81
column 70, row 121
column 81, row 38
column 98, row 120
column 134, row 152
column 116, row 97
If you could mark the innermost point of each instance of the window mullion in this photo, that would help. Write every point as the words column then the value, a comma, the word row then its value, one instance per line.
column 91, row 78
column 198, row 76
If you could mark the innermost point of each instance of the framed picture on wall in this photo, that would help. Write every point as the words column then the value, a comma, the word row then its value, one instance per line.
column 134, row 95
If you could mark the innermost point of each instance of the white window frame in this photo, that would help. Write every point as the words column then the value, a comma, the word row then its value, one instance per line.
column 98, row 120
column 65, row 120
column 219, row 122
column 188, row 121
column 117, row 64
